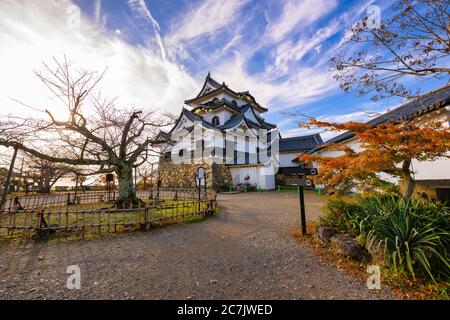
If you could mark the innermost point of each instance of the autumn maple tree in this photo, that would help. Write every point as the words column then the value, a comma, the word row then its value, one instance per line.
column 388, row 147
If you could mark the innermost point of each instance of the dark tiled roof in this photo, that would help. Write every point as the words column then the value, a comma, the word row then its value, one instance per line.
column 162, row 137
column 244, row 108
column 262, row 122
column 209, row 80
column 217, row 103
column 230, row 123
column 192, row 117
column 302, row 143
column 217, row 87
column 422, row 105
column 267, row 124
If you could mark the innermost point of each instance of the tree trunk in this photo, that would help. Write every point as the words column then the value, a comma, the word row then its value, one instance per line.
column 46, row 186
column 127, row 193
column 408, row 180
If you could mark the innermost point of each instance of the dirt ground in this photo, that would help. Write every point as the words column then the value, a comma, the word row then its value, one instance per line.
column 245, row 252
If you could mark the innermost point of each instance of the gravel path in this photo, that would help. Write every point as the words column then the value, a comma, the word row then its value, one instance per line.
column 243, row 253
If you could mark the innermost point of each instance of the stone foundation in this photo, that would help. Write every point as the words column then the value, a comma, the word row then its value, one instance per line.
column 172, row 175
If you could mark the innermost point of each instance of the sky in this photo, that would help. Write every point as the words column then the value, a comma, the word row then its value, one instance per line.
column 158, row 52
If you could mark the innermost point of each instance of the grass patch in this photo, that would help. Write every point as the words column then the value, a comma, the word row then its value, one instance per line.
column 101, row 218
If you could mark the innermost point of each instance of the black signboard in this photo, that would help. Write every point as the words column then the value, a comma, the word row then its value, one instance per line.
column 295, row 176
column 298, row 171
column 302, row 182
column 306, row 182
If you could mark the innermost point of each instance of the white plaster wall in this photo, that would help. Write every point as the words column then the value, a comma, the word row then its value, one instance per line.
column 285, row 159
column 266, row 177
column 238, row 175
column 259, row 176
column 224, row 116
column 428, row 170
column 440, row 168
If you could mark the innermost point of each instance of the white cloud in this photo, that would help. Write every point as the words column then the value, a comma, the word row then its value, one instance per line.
column 140, row 8
column 303, row 86
column 289, row 51
column 365, row 112
column 298, row 14
column 99, row 18
column 210, row 16
column 358, row 116
column 33, row 32
column 301, row 131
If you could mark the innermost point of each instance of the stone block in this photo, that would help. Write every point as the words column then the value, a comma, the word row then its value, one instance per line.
column 348, row 246
column 325, row 233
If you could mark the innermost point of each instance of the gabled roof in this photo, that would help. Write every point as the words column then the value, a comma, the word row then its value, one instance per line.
column 208, row 81
column 162, row 135
column 424, row 104
column 218, row 103
column 264, row 123
column 261, row 122
column 232, row 122
column 299, row 144
column 192, row 117
column 217, row 88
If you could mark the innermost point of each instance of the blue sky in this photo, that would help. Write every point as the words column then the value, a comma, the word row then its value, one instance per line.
column 158, row 51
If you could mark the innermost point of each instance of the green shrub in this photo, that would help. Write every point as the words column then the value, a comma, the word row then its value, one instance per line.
column 415, row 234
column 338, row 214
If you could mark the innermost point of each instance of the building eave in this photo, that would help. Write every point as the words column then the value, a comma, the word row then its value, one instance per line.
column 207, row 95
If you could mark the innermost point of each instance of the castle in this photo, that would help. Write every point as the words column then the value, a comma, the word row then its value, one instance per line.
column 224, row 132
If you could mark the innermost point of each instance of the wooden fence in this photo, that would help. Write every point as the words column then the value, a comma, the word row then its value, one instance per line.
column 95, row 212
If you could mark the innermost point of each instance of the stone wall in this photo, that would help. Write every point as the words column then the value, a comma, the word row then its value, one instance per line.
column 183, row 175
column 221, row 177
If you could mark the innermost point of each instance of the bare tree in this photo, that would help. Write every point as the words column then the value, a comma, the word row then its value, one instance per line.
column 147, row 174
column 412, row 44
column 46, row 173
column 96, row 137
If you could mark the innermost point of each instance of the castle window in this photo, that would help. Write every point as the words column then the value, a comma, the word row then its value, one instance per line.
column 215, row 121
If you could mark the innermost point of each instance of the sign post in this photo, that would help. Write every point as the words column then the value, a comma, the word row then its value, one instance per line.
column 199, row 177
column 302, row 211
column 297, row 178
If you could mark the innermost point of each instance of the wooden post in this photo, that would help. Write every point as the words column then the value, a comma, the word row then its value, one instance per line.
column 302, row 211
column 198, row 198
column 8, row 178
column 76, row 189
column 135, row 177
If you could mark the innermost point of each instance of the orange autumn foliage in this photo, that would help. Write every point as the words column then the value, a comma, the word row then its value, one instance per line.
column 387, row 147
